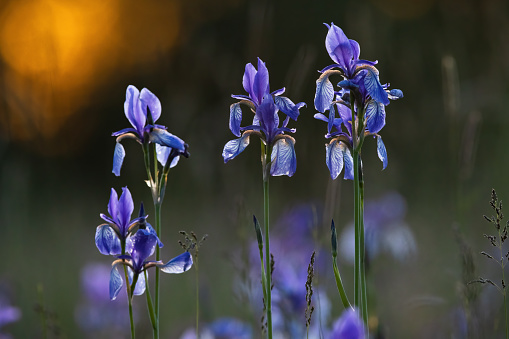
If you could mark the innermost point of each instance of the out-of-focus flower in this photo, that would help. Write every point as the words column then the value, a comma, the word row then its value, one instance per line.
column 385, row 230
column 140, row 247
column 222, row 328
column 142, row 109
column 348, row 326
column 8, row 314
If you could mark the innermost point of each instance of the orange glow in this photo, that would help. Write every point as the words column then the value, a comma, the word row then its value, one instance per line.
column 57, row 52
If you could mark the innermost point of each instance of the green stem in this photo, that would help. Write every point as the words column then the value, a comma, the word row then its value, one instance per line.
column 157, row 207
column 268, row 277
column 197, row 296
column 131, row 319
column 339, row 283
column 150, row 306
column 357, row 264
column 364, row 294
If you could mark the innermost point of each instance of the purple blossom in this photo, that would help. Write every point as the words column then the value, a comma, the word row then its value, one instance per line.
column 348, row 326
column 360, row 88
column 110, row 236
column 143, row 109
column 140, row 247
column 266, row 122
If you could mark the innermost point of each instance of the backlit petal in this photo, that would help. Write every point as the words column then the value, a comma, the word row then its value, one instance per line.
column 374, row 88
column 125, row 209
column 113, row 204
column 107, row 241
column 334, row 158
column 324, row 93
column 286, row 106
column 118, row 158
column 116, row 282
column 154, row 105
column 382, row 152
column 260, row 83
column 178, row 265
column 165, row 138
column 375, row 116
column 248, row 79
column 235, row 119
column 235, row 147
column 283, row 157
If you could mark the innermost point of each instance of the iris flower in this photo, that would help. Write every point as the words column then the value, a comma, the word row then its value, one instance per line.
column 266, row 122
column 361, row 85
column 348, row 326
column 143, row 109
column 140, row 247
column 118, row 226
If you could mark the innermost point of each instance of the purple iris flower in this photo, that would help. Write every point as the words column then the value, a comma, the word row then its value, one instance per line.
column 266, row 122
column 348, row 326
column 360, row 82
column 140, row 247
column 142, row 109
column 110, row 236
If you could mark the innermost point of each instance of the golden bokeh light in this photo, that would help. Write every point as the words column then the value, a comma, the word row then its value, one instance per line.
column 57, row 52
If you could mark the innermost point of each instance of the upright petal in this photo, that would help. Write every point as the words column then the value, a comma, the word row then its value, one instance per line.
column 154, row 105
column 283, row 157
column 286, row 106
column 235, row 118
column 236, row 146
column 374, row 88
column 179, row 264
column 118, row 158
column 125, row 209
column 260, row 83
column 113, row 205
column 116, row 282
column 132, row 109
column 248, row 79
column 382, row 152
column 348, row 326
column 334, row 158
column 107, row 241
column 324, row 92
column 268, row 117
column 375, row 116
column 165, row 138
column 346, row 116
column 339, row 47
column 356, row 49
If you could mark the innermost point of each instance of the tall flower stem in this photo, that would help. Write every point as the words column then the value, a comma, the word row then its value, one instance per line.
column 129, row 299
column 197, row 296
column 266, row 151
column 157, row 207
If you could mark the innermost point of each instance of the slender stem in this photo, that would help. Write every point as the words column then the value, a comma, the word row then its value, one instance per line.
column 158, row 231
column 267, row 254
column 197, row 296
column 150, row 306
column 362, row 250
column 128, row 289
column 357, row 264
column 339, row 283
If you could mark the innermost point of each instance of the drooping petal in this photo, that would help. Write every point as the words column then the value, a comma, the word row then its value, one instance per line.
column 260, row 83
column 154, row 105
column 118, row 158
column 348, row 161
column 283, row 157
column 165, row 138
column 151, row 230
column 382, row 152
column 139, row 289
column 248, row 79
column 286, row 106
column 348, row 326
column 395, row 94
column 125, row 131
column 107, row 241
column 324, row 92
column 375, row 116
column 141, row 246
column 177, row 265
column 125, row 209
column 163, row 153
column 338, row 46
column 132, row 109
column 332, row 117
column 235, row 118
column 116, row 282
column 374, row 88
column 334, row 158
column 113, row 204
column 235, row 147
column 278, row 92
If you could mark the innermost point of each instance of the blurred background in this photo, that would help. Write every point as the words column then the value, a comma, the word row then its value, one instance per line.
column 64, row 69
